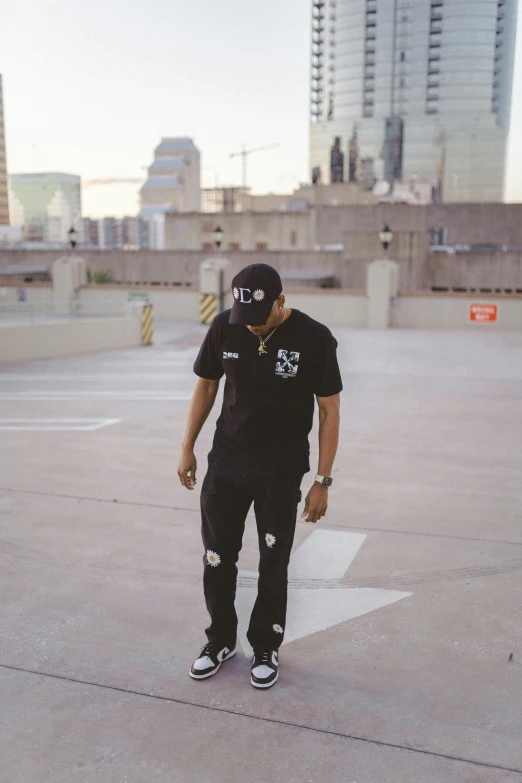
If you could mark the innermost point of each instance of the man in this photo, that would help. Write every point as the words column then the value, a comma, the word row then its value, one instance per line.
column 275, row 361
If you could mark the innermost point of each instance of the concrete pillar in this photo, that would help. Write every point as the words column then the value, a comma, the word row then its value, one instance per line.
column 69, row 274
column 215, row 278
column 382, row 284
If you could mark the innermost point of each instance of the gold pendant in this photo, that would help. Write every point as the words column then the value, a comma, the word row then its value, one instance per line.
column 261, row 349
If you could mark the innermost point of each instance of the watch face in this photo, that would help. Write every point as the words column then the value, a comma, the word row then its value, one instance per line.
column 327, row 481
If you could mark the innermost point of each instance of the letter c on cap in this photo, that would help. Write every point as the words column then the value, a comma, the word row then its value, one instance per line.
column 241, row 299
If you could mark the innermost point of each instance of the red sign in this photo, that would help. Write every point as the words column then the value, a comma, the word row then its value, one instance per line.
column 483, row 313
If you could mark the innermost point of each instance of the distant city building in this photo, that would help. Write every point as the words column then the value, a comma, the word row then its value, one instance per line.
column 152, row 227
column 10, row 235
column 109, row 233
column 280, row 230
column 338, row 194
column 90, row 236
column 130, row 233
column 4, row 198
column 336, row 162
column 46, row 205
column 452, row 229
column 416, row 90
column 174, row 178
column 222, row 199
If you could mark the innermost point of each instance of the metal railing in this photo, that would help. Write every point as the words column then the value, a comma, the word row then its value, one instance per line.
column 33, row 312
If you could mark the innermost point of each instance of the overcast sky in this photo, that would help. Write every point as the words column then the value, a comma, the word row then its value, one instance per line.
column 91, row 87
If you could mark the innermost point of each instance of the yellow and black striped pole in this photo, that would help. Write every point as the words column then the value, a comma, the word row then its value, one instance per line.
column 147, row 325
column 207, row 308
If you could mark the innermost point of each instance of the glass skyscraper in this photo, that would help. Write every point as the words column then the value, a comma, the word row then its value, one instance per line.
column 46, row 205
column 413, row 90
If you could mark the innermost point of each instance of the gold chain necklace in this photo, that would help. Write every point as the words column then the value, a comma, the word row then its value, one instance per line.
column 263, row 340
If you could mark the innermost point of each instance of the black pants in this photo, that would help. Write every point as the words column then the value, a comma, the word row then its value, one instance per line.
column 228, row 491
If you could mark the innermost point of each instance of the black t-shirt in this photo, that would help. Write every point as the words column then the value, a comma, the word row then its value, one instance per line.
column 268, row 402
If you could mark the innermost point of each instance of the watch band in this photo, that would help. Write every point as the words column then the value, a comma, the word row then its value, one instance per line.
column 326, row 481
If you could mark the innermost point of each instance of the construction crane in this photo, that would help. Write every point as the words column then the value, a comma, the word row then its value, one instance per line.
column 111, row 181
column 245, row 153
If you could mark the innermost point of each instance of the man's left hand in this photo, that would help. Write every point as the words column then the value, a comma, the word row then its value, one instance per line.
column 316, row 503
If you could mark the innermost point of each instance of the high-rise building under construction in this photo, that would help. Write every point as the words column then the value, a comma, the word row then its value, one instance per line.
column 4, row 200
column 424, row 86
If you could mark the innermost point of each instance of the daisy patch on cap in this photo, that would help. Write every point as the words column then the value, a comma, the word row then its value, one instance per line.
column 235, row 293
column 259, row 295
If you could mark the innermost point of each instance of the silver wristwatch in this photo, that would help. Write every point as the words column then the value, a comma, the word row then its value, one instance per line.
column 326, row 481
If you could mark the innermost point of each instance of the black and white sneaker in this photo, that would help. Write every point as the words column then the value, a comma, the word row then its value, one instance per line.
column 209, row 661
column 265, row 668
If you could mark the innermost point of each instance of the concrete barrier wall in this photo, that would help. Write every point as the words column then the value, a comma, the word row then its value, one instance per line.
column 329, row 306
column 451, row 311
column 417, row 273
column 35, row 292
column 472, row 270
column 333, row 307
column 178, row 266
column 49, row 339
column 348, row 309
column 482, row 224
column 181, row 304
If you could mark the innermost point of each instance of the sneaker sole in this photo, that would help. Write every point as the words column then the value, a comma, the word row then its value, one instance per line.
column 215, row 671
column 266, row 685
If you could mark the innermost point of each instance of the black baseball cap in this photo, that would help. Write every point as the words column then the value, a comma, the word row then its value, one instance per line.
column 255, row 290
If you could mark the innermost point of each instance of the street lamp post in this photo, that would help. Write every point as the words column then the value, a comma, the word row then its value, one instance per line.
column 73, row 237
column 386, row 238
column 218, row 238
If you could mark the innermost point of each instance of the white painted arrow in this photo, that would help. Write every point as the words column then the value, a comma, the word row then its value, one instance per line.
column 315, row 603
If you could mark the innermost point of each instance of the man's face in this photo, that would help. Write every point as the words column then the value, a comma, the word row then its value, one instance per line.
column 273, row 319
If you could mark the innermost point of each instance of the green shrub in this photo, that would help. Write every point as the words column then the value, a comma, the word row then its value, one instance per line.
column 100, row 276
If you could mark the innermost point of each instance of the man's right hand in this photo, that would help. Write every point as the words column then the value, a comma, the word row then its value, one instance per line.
column 187, row 468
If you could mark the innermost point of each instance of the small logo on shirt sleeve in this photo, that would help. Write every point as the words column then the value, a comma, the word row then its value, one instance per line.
column 229, row 355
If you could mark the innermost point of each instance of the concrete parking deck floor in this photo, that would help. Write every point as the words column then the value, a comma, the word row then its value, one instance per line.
column 407, row 598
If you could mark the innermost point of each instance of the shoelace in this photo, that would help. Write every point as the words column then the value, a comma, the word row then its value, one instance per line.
column 262, row 657
column 209, row 650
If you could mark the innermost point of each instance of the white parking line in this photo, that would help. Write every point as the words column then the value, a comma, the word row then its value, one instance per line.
column 125, row 396
column 55, row 425
column 101, row 376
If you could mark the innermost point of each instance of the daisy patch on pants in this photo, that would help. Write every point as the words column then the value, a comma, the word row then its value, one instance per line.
column 277, row 628
column 213, row 558
column 270, row 540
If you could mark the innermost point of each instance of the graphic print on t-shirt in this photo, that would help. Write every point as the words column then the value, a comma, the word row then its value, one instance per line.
column 287, row 363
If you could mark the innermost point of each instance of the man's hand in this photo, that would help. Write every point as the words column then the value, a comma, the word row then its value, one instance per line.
column 187, row 468
column 316, row 503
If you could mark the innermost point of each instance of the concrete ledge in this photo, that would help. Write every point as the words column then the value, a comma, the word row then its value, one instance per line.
column 174, row 302
column 36, row 284
column 46, row 340
column 332, row 307
column 471, row 295
column 434, row 310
